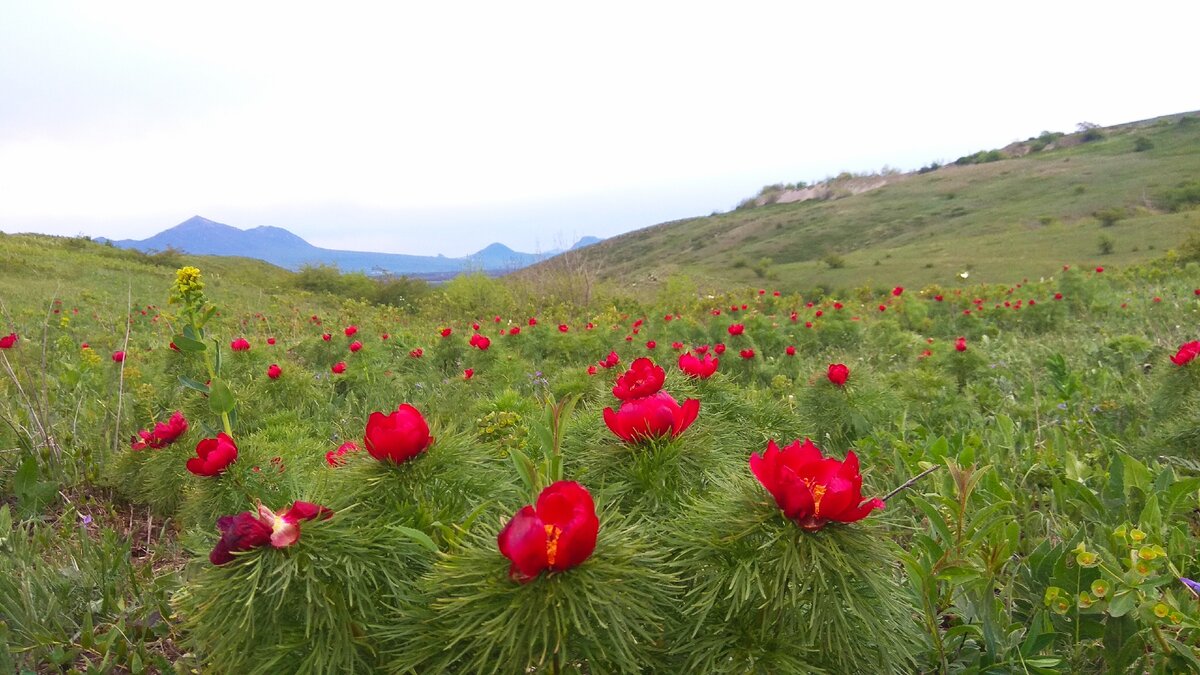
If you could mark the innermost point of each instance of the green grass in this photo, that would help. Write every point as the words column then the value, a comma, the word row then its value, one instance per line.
column 1005, row 220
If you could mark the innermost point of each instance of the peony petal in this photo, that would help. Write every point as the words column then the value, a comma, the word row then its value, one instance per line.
column 685, row 415
column 523, row 541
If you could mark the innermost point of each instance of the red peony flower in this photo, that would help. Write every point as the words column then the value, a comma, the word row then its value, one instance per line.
column 794, row 316
column 468, row 373
column 939, row 298
column 334, row 457
column 398, row 436
column 610, row 361
column 416, row 353
column 838, row 305
column 240, row 345
column 562, row 328
column 213, row 455
column 271, row 341
column 677, row 345
column 960, row 345
column 8, row 341
column 480, row 342
column 651, row 417
column 446, row 332
column 643, row 379
column 1058, row 296
column 384, row 336
column 338, row 368
column 1187, row 352
column 897, row 291
column 737, row 329
column 118, row 356
column 355, row 346
column 591, row 370
column 838, row 373
column 696, row 367
column 746, row 353
column 274, row 371
column 651, row 344
column 164, row 433
column 515, row 330
column 790, row 351
column 556, row 534
column 810, row 488
column 719, row 348
column 351, row 330
column 1099, row 270
column 247, row 531
column 532, row 321
column 883, row 308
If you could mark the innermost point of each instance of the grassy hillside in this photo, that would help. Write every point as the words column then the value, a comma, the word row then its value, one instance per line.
column 1019, row 217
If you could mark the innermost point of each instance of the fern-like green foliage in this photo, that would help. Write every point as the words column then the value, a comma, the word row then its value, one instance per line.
column 766, row 596
column 305, row 608
column 606, row 615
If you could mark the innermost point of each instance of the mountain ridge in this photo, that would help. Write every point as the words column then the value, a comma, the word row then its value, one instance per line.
column 201, row 236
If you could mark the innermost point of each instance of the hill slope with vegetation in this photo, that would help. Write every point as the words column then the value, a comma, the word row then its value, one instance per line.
column 1114, row 195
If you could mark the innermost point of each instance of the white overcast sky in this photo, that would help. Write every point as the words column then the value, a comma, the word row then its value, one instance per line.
column 439, row 127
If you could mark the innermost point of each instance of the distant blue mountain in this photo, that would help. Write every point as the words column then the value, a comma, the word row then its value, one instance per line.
column 278, row 246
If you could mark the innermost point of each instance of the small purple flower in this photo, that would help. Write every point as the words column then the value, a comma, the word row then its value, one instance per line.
column 87, row 520
column 1193, row 586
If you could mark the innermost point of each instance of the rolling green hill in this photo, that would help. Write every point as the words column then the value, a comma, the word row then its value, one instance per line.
column 1022, row 216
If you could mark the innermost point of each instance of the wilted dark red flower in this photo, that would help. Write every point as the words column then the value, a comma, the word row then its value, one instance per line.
column 651, row 417
column 338, row 368
column 810, row 488
column 960, row 345
column 790, row 351
column 274, row 371
column 838, row 373
column 8, row 341
column 247, row 531
column 351, row 330
column 643, row 378
column 355, row 346
column 213, row 455
column 556, row 534
column 398, row 436
column 118, row 356
column 334, row 457
column 746, row 353
column 163, row 434
column 1187, row 352
column 240, row 345
column 737, row 329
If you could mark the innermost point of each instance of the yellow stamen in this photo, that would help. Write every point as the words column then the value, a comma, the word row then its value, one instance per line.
column 552, row 534
column 818, row 491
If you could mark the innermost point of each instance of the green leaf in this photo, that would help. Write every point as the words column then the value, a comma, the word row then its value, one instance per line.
column 220, row 397
column 187, row 344
column 526, row 470
column 216, row 357
column 1122, row 603
column 418, row 536
column 207, row 315
column 193, row 384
